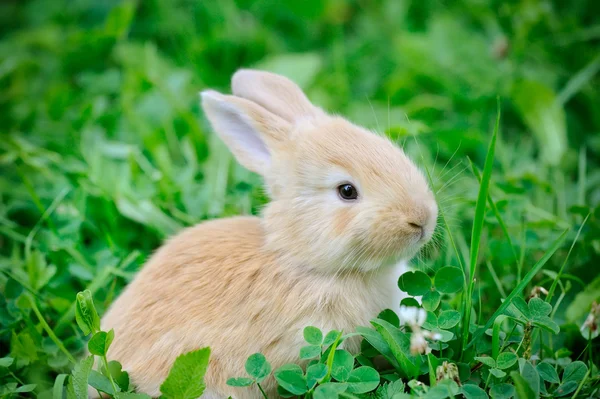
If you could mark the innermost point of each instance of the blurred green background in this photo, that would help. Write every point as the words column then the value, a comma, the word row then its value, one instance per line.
column 105, row 152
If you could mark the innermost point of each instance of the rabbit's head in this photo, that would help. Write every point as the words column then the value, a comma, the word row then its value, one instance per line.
column 342, row 197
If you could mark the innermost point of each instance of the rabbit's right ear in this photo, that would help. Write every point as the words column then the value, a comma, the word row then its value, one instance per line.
column 251, row 132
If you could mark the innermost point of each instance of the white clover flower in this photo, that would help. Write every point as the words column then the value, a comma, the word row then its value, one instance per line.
column 434, row 336
column 536, row 291
column 412, row 316
column 590, row 327
column 418, row 344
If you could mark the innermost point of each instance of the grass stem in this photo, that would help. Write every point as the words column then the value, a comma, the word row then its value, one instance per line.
column 48, row 330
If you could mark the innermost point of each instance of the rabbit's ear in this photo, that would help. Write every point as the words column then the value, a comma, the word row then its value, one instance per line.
column 251, row 132
column 276, row 93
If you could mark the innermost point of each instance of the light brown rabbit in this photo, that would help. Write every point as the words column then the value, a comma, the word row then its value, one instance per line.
column 346, row 207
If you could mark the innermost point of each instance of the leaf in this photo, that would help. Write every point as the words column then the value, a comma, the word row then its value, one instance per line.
column 521, row 307
column 522, row 388
column 390, row 316
column 389, row 390
column 8, row 388
column 23, row 348
column 301, row 67
column 291, row 378
column 310, row 351
column 119, row 376
column 148, row 214
column 343, row 362
column 506, row 360
column 132, row 395
column 497, row 373
column 59, row 386
column 502, row 391
column 446, row 336
column 39, row 272
column 100, row 382
column 100, row 342
column 399, row 344
column 240, row 382
column 282, row 392
column 546, row 323
column 431, row 300
column 444, row 389
column 473, row 392
column 431, row 321
column 120, row 17
column 6, row 361
column 488, row 361
column 313, row 335
column 544, row 116
column 330, row 337
column 414, row 283
column 85, row 313
column 314, row 374
column 410, row 302
column 548, row 373
column 531, row 376
column 186, row 377
column 376, row 340
column 521, row 286
column 25, row 388
column 538, row 307
column 258, row 367
column 574, row 371
column 448, row 319
column 78, row 383
column 566, row 388
column 330, row 390
column 449, row 280
column 363, row 379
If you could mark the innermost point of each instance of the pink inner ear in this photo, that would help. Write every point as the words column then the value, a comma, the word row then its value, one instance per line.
column 238, row 132
column 244, row 135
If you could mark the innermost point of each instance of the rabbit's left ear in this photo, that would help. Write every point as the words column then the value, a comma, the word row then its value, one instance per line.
column 251, row 132
column 276, row 93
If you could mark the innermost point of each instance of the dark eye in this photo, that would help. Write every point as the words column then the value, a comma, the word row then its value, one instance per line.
column 347, row 192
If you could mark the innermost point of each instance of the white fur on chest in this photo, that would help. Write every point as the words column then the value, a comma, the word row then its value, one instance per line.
column 347, row 303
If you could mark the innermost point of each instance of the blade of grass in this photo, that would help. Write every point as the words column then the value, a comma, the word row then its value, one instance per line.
column 496, row 212
column 49, row 331
column 579, row 80
column 496, row 279
column 564, row 264
column 478, row 226
column 521, row 286
column 522, row 252
column 581, row 175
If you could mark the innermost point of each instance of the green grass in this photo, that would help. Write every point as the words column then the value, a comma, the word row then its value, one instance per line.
column 104, row 153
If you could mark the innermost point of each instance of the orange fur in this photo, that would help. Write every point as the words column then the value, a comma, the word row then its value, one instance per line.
column 246, row 284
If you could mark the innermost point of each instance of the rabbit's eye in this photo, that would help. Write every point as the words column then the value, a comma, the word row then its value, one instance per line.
column 347, row 192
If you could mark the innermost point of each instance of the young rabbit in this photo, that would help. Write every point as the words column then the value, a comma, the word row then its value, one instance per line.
column 347, row 206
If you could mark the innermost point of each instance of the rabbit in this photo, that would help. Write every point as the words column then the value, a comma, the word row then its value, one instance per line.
column 348, row 209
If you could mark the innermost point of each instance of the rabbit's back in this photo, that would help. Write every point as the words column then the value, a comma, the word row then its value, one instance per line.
column 190, row 294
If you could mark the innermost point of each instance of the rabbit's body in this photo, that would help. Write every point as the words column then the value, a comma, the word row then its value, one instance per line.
column 216, row 285
column 346, row 206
